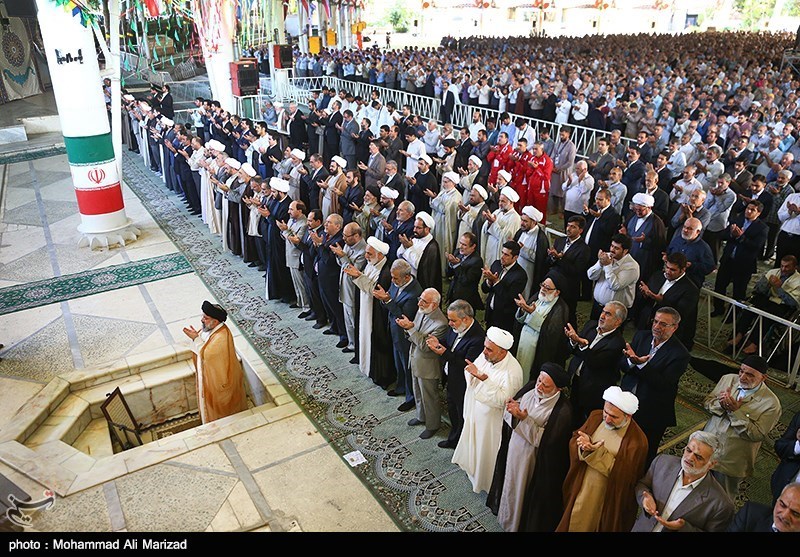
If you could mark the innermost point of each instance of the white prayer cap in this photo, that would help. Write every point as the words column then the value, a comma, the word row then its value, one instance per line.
column 215, row 145
column 625, row 401
column 167, row 122
column 340, row 161
column 248, row 169
column 509, row 192
column 279, row 184
column 426, row 218
column 426, row 158
column 532, row 212
column 476, row 160
column 389, row 193
column 145, row 106
column 452, row 176
column 298, row 154
column 481, row 191
column 382, row 247
column 277, row 104
column 233, row 163
column 505, row 174
column 500, row 337
column 644, row 199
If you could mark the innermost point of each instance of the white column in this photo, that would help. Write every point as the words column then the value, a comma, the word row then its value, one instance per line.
column 218, row 57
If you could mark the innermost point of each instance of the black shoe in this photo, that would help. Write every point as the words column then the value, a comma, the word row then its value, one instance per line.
column 329, row 332
column 318, row 325
column 262, row 269
column 253, row 264
column 293, row 306
column 446, row 444
column 395, row 393
column 354, row 360
column 414, row 421
column 341, row 344
column 347, row 350
column 427, row 434
column 406, row 406
column 304, row 314
column 313, row 317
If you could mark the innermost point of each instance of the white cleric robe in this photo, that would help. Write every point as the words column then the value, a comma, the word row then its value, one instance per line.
column 209, row 214
column 294, row 181
column 497, row 233
column 445, row 214
column 224, row 224
column 527, row 256
column 466, row 220
column 484, row 403
column 522, row 449
column 366, row 284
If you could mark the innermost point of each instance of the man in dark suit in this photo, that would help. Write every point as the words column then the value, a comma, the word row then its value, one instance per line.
column 787, row 449
column 670, row 288
column 746, row 237
column 633, row 176
column 706, row 507
column 401, row 226
column 647, row 231
column 463, row 341
column 465, row 271
column 782, row 517
column 332, row 123
column 503, row 283
column 308, row 261
column 570, row 256
column 741, row 178
column 757, row 192
column 395, row 180
column 602, row 222
column 595, row 362
column 448, row 103
column 328, row 271
column 401, row 301
column 166, row 103
column 654, row 363
column 374, row 168
column 309, row 188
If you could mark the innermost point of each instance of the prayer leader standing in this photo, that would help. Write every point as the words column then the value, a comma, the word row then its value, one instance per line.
column 220, row 378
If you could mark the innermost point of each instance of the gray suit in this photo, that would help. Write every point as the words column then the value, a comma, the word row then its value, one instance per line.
column 347, row 145
column 707, row 508
column 425, row 366
column 348, row 293
column 376, row 170
column 293, row 259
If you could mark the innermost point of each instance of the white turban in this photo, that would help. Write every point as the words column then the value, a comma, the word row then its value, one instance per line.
column 248, row 169
column 145, row 106
column 533, row 212
column 216, row 145
column 500, row 337
column 233, row 163
column 426, row 218
column 167, row 122
column 505, row 174
column 279, row 184
column 340, row 161
column 426, row 158
column 452, row 176
column 644, row 199
column 297, row 153
column 625, row 401
column 476, row 160
column 382, row 247
column 481, row 191
column 389, row 193
column 509, row 192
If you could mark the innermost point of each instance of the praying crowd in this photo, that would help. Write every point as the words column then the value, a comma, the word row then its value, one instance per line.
column 421, row 250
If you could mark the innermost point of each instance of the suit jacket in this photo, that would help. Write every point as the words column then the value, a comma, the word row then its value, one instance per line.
column 752, row 517
column 633, row 178
column 331, row 133
column 294, row 254
column 376, row 170
column 448, row 103
column 405, row 228
column 404, row 303
column 327, row 265
column 572, row 266
column 464, row 281
column 309, row 252
column 648, row 252
column 600, row 369
column 166, row 106
column 605, row 226
column 789, row 465
column 684, row 296
column 764, row 197
column 748, row 246
column 424, row 363
column 398, row 183
column 656, row 383
column 470, row 347
column 347, row 145
column 353, row 255
column 309, row 190
column 503, row 293
column 707, row 508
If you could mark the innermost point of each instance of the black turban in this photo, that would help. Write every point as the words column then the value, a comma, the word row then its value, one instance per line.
column 214, row 311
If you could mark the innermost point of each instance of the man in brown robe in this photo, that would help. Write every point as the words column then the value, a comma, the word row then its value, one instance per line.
column 220, row 377
column 607, row 456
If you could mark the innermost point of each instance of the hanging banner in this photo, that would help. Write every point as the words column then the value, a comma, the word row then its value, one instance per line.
column 17, row 70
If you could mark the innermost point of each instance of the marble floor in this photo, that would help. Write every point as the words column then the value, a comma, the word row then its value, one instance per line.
column 264, row 471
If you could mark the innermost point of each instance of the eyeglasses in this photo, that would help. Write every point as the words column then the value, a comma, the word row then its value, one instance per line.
column 544, row 286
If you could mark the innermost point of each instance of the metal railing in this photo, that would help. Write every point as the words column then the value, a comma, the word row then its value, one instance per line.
column 134, row 66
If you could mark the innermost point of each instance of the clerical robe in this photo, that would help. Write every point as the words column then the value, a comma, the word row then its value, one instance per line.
column 374, row 339
column 445, row 214
column 497, row 233
column 329, row 194
column 484, row 403
column 220, row 378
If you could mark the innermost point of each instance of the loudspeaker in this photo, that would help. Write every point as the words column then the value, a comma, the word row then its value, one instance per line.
column 244, row 77
column 21, row 8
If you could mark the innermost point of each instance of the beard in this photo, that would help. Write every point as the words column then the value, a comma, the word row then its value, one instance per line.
column 206, row 328
column 426, row 311
column 612, row 427
column 693, row 470
column 546, row 298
